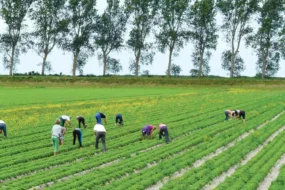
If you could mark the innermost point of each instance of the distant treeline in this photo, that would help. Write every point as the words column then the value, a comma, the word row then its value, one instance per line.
column 75, row 26
column 142, row 80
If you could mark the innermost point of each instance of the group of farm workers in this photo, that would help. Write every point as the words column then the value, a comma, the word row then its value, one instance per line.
column 238, row 113
column 58, row 130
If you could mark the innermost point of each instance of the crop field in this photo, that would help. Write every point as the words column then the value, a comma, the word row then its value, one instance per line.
column 205, row 152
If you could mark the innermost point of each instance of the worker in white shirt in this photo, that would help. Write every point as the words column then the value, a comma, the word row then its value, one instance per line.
column 55, row 134
column 63, row 119
column 100, row 133
column 3, row 128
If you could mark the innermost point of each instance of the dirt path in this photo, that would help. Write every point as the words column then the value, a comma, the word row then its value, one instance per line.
column 198, row 163
column 218, row 180
column 272, row 175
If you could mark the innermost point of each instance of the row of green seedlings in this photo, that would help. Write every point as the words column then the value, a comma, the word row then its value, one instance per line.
column 141, row 180
column 251, row 174
column 91, row 162
column 199, row 177
column 279, row 183
column 154, row 156
column 79, row 155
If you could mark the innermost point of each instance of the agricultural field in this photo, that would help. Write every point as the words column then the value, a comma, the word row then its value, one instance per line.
column 205, row 152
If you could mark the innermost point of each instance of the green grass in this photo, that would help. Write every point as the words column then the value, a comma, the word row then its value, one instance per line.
column 11, row 97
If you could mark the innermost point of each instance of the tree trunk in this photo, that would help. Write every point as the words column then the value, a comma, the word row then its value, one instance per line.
column 137, row 63
column 104, row 64
column 201, row 63
column 232, row 60
column 74, row 62
column 169, row 61
column 263, row 67
column 12, row 61
column 264, row 60
column 44, row 62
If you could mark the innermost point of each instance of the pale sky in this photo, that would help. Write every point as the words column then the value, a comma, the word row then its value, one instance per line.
column 62, row 61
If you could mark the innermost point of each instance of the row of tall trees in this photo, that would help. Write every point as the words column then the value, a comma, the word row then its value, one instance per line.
column 165, row 25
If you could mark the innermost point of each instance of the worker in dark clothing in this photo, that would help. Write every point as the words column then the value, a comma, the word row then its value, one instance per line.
column 80, row 120
column 147, row 130
column 3, row 128
column 77, row 132
column 239, row 114
column 119, row 119
column 99, row 117
column 163, row 131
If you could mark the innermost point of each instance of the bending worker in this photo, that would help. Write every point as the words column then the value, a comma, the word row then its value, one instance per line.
column 229, row 114
column 63, row 119
column 163, row 131
column 77, row 132
column 239, row 114
column 99, row 117
column 100, row 133
column 3, row 128
column 147, row 130
column 55, row 135
column 80, row 120
column 119, row 119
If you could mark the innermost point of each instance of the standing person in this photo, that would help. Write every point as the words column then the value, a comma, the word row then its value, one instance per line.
column 119, row 119
column 100, row 133
column 77, row 132
column 147, row 130
column 3, row 128
column 229, row 114
column 55, row 135
column 99, row 116
column 239, row 114
column 80, row 120
column 163, row 131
